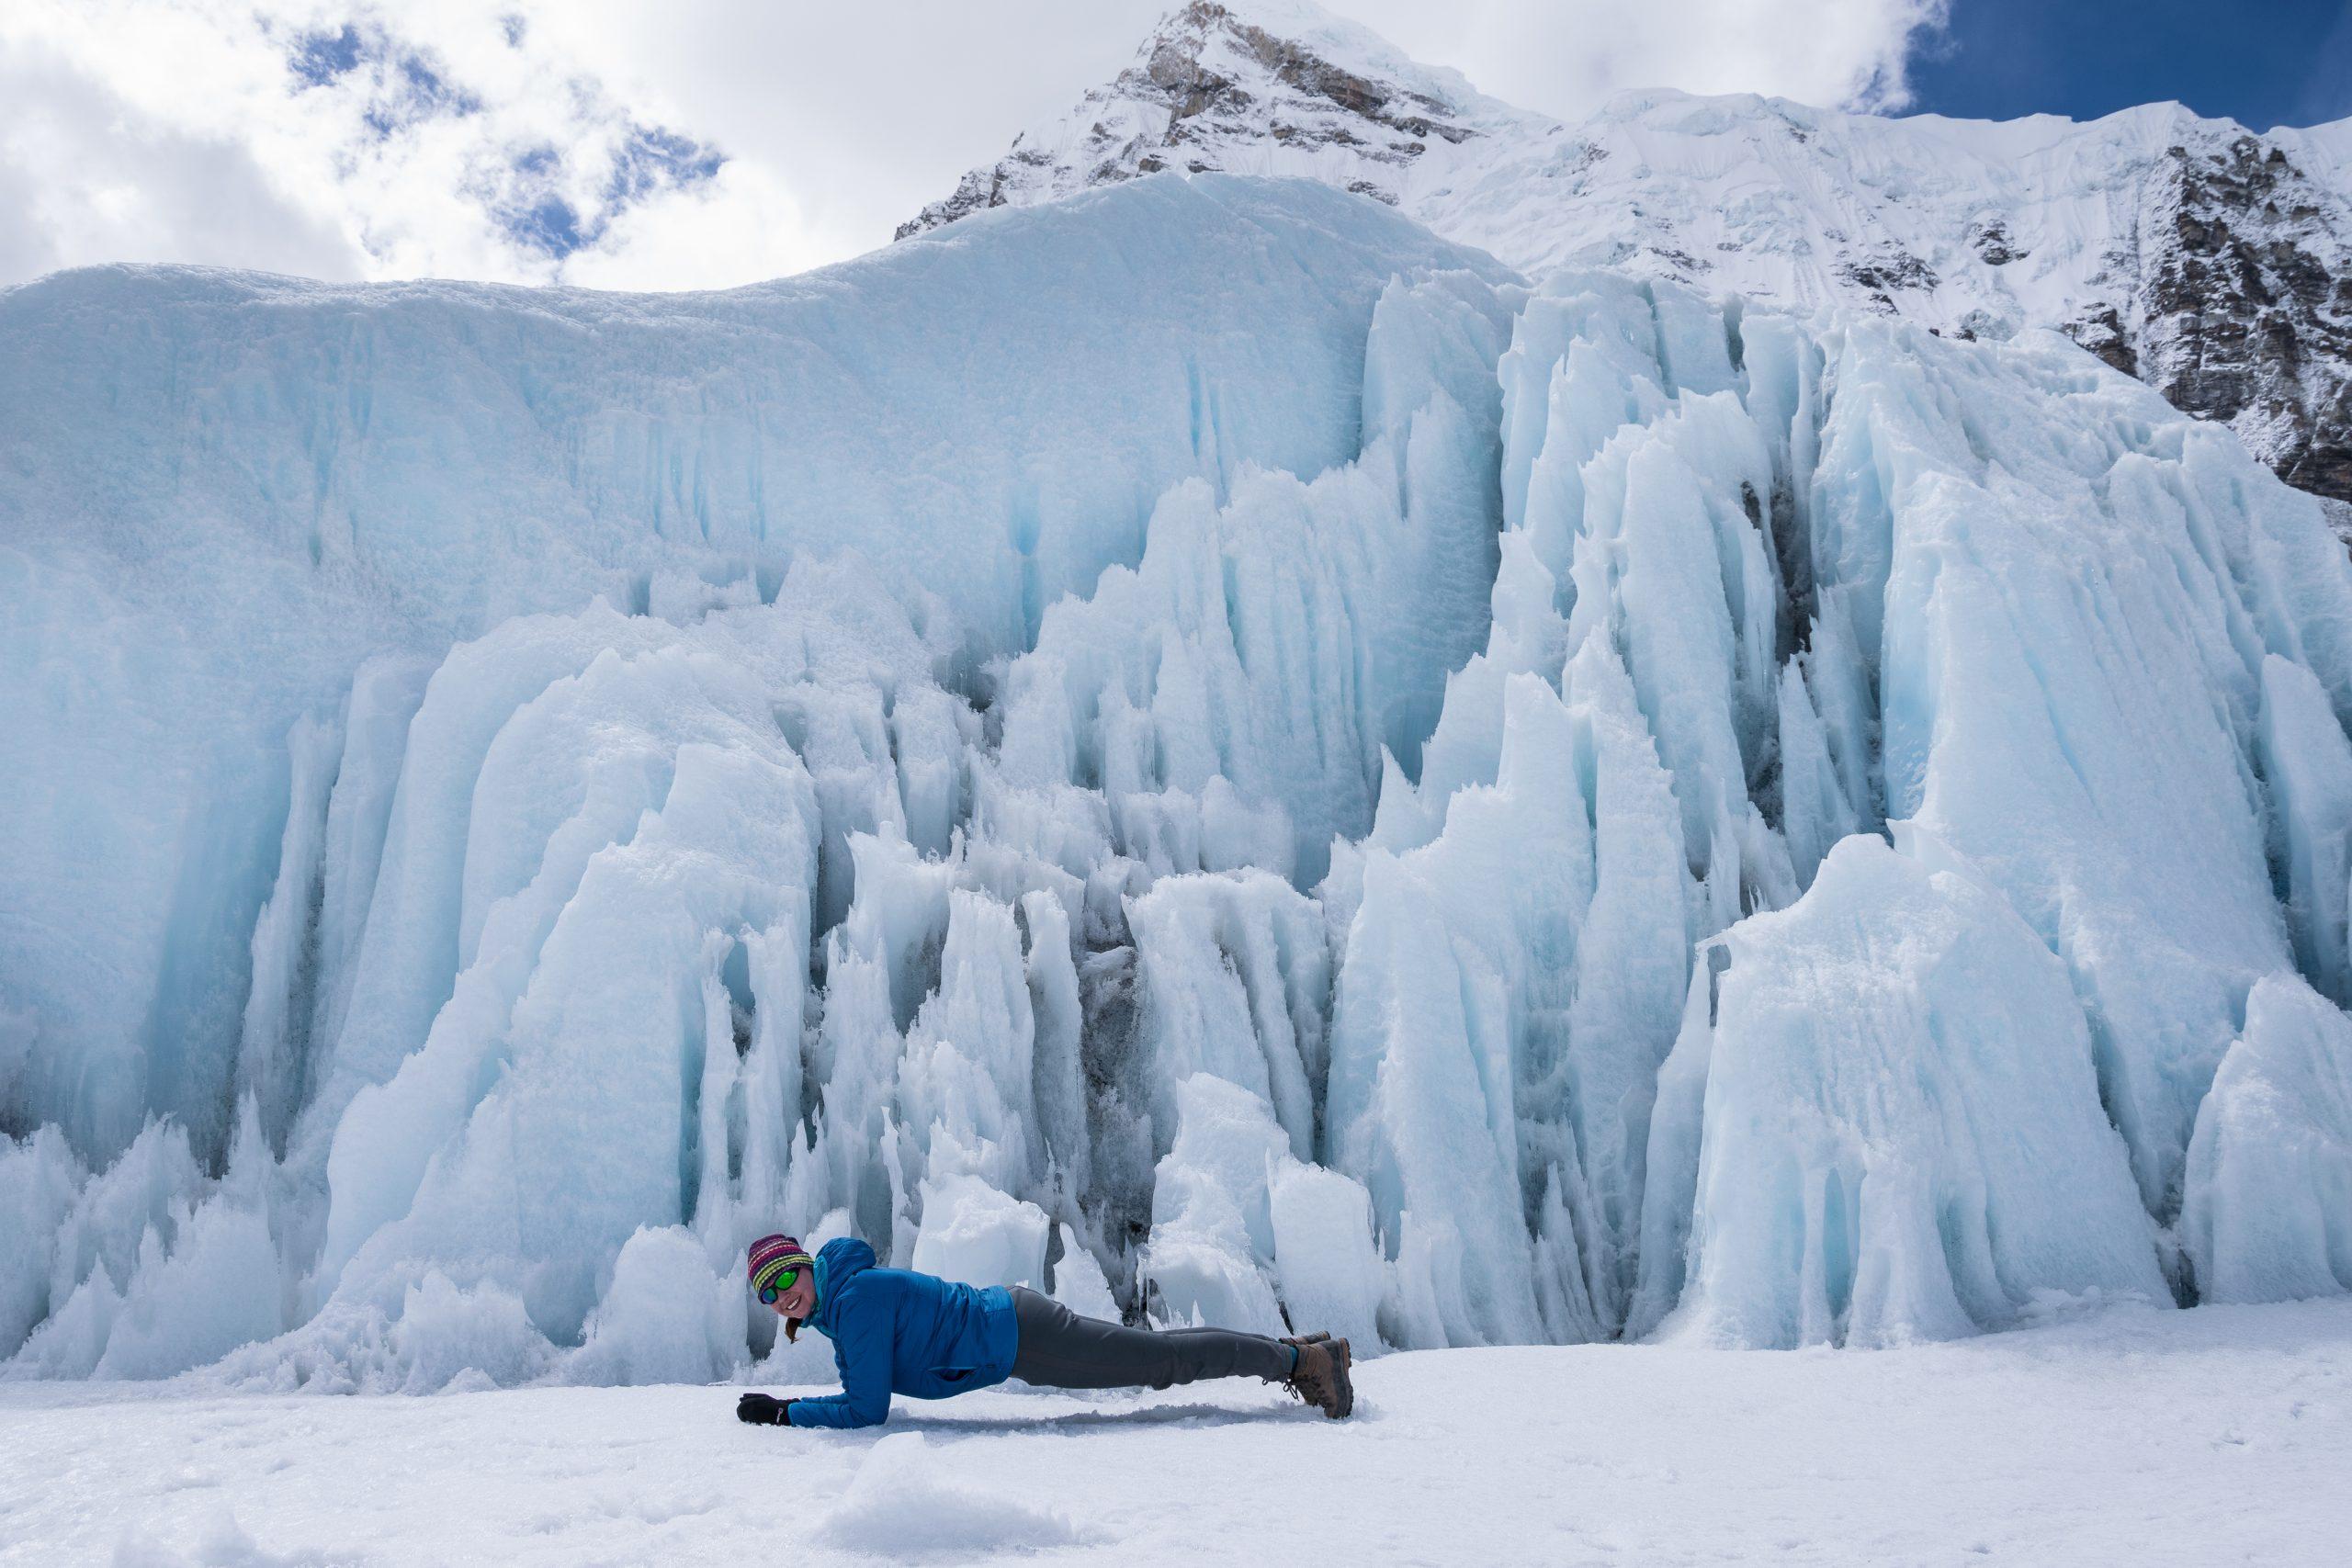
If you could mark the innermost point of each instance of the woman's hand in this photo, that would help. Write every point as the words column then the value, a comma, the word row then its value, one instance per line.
column 762, row 1411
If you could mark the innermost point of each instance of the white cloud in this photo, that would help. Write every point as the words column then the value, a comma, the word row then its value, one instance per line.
column 84, row 177
column 741, row 227
column 1567, row 57
column 583, row 141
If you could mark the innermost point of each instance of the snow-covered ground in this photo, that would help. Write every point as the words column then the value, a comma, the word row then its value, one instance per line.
column 2221, row 1435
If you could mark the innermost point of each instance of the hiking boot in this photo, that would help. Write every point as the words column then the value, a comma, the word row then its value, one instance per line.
column 1321, row 1377
column 1318, row 1338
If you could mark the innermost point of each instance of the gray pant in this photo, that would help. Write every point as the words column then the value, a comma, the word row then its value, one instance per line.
column 1060, row 1350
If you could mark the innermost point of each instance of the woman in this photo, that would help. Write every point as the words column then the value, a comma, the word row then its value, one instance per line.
column 894, row 1331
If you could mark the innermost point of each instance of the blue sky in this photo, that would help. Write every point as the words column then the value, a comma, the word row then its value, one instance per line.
column 2265, row 62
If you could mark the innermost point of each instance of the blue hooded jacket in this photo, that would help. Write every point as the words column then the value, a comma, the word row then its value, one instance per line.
column 894, row 1331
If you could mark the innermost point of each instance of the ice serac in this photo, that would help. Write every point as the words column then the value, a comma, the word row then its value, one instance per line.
column 2308, row 762
column 1247, row 1235
column 2212, row 261
column 1898, row 1087
column 1786, row 583
column 322, row 475
column 2269, row 1208
column 1310, row 782
column 2037, row 636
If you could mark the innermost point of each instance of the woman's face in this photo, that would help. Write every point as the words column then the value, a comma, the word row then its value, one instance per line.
column 799, row 1300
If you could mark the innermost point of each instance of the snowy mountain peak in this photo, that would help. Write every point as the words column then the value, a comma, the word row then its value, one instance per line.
column 2213, row 263
column 1267, row 88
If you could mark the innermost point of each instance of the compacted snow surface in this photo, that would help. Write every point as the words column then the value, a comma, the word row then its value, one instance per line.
column 2130, row 1437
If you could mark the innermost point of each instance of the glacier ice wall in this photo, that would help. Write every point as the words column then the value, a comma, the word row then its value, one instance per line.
column 1196, row 749
column 1897, row 1081
column 2269, row 1193
column 225, row 493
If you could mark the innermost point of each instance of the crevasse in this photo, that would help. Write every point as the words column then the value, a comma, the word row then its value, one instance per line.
column 1377, row 793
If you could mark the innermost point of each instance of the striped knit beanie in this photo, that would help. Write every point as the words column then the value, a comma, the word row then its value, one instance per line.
column 771, row 1255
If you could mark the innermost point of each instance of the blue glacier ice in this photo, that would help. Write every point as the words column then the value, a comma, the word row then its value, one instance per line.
column 1196, row 748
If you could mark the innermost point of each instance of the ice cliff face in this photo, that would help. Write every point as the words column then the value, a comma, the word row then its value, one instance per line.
column 2213, row 263
column 1288, row 774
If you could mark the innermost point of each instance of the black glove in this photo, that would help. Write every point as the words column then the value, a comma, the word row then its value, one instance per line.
column 762, row 1411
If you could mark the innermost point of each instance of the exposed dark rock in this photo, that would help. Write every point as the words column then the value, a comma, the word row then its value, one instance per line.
column 2103, row 335
column 1879, row 277
column 2242, row 313
column 1992, row 242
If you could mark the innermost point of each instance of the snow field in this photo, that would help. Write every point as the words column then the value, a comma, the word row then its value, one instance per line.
column 2128, row 1436
column 1551, row 815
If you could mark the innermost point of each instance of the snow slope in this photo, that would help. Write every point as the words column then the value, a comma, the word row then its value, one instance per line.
column 1196, row 746
column 2133, row 1437
column 2215, row 262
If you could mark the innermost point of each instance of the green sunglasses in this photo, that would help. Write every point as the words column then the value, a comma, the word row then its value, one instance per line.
column 783, row 1281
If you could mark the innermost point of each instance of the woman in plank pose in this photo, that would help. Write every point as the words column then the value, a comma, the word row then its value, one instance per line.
column 894, row 1331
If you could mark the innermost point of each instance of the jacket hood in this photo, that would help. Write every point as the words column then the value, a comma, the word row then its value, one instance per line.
column 839, row 1261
